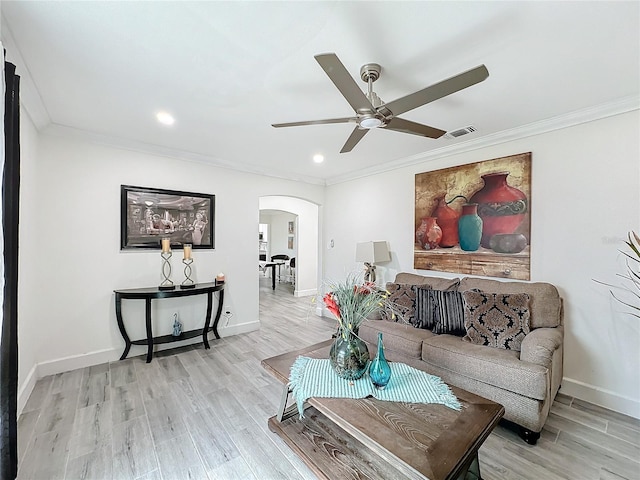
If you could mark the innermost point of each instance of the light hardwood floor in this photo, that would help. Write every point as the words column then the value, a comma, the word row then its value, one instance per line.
column 202, row 414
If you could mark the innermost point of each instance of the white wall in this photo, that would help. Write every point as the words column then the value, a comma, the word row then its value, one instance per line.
column 278, row 226
column 585, row 198
column 70, row 248
column 279, row 234
column 29, row 323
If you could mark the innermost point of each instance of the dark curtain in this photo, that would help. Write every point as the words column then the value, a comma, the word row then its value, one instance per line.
column 9, row 339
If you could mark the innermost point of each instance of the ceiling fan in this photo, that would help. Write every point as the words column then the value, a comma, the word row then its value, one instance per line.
column 371, row 112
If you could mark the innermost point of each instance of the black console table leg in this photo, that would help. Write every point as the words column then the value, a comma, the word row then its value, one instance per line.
column 218, row 313
column 149, row 329
column 207, row 321
column 123, row 332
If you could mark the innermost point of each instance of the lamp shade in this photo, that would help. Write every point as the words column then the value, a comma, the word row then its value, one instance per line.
column 372, row 252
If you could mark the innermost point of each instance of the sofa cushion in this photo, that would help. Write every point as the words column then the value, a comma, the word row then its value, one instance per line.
column 436, row 283
column 448, row 312
column 496, row 319
column 397, row 337
column 402, row 300
column 493, row 366
column 545, row 305
column 540, row 345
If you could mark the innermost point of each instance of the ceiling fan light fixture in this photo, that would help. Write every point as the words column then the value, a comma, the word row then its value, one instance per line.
column 371, row 112
column 369, row 121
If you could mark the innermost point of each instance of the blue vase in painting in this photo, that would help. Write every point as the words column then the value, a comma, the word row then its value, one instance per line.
column 380, row 370
column 470, row 228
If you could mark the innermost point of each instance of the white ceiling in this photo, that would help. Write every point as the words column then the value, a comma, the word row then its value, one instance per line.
column 227, row 70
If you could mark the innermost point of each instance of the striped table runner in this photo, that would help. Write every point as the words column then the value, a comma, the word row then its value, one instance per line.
column 310, row 377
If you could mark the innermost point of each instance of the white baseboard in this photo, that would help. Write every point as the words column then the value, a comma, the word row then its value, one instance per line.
column 26, row 388
column 60, row 365
column 602, row 397
column 52, row 367
column 237, row 329
column 305, row 293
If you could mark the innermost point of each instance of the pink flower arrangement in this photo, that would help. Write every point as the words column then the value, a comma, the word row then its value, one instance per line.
column 351, row 302
column 331, row 304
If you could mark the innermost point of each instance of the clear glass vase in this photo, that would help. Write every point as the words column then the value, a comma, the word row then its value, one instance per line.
column 379, row 370
column 349, row 355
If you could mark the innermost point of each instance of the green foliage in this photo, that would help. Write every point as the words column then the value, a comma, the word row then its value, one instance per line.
column 628, row 293
column 352, row 301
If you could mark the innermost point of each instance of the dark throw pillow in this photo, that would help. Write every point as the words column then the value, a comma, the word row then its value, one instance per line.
column 402, row 298
column 424, row 308
column 448, row 312
column 496, row 319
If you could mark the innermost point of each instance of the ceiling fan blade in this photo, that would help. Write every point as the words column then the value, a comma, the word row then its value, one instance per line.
column 436, row 91
column 353, row 139
column 339, row 75
column 315, row 122
column 407, row 126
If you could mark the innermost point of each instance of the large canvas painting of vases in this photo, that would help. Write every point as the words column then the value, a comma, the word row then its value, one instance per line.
column 475, row 219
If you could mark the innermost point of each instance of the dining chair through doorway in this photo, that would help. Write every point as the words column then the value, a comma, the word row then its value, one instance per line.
column 280, row 259
column 292, row 270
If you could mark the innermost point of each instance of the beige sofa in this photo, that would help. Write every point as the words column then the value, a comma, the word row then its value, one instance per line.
column 524, row 382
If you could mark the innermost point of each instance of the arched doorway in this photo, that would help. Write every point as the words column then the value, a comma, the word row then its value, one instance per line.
column 305, row 235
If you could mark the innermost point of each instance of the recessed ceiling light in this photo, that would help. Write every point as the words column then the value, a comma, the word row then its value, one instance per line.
column 318, row 158
column 165, row 118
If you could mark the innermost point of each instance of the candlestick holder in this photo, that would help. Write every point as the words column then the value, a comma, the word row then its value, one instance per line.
column 187, row 283
column 166, row 284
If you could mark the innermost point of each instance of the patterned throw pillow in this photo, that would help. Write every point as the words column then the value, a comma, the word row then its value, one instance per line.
column 448, row 312
column 402, row 296
column 496, row 319
column 424, row 308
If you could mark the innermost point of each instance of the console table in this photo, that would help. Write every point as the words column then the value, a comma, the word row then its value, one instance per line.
column 151, row 293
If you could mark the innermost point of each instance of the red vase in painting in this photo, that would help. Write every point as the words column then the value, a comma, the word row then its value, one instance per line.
column 428, row 234
column 501, row 206
column 447, row 219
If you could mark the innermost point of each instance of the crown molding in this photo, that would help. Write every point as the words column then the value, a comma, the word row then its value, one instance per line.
column 570, row 119
column 590, row 114
column 35, row 108
column 29, row 95
column 63, row 131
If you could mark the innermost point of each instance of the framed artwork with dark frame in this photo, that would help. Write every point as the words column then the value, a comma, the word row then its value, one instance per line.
column 150, row 214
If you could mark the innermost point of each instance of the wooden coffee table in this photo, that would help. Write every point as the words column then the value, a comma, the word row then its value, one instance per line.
column 369, row 438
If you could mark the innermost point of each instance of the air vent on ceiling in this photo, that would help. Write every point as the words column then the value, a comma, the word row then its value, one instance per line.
column 461, row 131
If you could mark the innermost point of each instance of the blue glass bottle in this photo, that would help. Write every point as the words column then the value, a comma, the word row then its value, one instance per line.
column 177, row 326
column 379, row 370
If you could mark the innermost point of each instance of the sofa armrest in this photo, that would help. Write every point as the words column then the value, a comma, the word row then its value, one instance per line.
column 540, row 344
